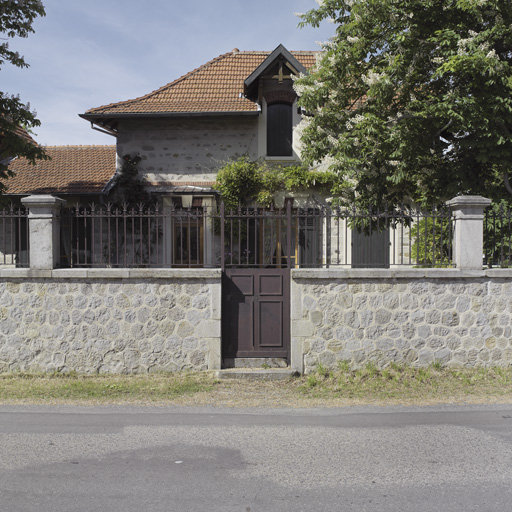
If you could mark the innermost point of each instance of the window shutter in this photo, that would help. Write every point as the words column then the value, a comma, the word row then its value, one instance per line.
column 279, row 129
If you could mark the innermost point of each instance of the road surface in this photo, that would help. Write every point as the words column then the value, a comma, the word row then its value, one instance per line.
column 67, row 458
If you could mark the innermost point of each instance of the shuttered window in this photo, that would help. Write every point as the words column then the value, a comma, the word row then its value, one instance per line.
column 279, row 129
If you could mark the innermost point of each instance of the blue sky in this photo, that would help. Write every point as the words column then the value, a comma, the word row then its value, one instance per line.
column 90, row 53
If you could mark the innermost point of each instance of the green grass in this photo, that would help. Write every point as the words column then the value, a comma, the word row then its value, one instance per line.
column 101, row 388
column 400, row 382
column 345, row 385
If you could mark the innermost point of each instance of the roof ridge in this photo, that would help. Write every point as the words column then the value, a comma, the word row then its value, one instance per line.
column 266, row 52
column 174, row 82
column 72, row 146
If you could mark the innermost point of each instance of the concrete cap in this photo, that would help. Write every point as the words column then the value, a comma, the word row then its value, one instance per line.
column 468, row 201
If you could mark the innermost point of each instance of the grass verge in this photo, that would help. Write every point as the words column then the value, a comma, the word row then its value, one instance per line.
column 71, row 387
column 399, row 382
column 393, row 385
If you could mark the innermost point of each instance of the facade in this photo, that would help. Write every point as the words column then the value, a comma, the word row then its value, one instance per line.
column 241, row 104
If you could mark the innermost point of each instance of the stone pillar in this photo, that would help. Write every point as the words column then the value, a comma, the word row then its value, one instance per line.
column 44, row 230
column 468, row 240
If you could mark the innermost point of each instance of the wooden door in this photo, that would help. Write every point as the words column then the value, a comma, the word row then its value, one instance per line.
column 256, row 313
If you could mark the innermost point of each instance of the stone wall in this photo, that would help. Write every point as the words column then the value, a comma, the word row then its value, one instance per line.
column 409, row 316
column 109, row 321
column 188, row 149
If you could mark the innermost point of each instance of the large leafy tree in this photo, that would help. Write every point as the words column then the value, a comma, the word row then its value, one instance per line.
column 16, row 117
column 412, row 99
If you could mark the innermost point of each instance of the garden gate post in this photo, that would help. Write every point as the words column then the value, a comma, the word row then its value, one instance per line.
column 44, row 230
column 468, row 238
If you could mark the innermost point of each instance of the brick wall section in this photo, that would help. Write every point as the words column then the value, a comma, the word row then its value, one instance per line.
column 111, row 321
column 405, row 317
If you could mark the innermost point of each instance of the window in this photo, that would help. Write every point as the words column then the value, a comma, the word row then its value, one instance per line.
column 279, row 129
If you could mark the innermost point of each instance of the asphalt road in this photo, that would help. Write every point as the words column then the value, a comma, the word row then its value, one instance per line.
column 180, row 459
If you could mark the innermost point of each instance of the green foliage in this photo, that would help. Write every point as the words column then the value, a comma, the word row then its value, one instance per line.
column 237, row 181
column 411, row 99
column 432, row 242
column 498, row 235
column 128, row 186
column 437, row 365
column 16, row 20
column 243, row 180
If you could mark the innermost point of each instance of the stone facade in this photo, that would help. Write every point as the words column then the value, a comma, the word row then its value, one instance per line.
column 188, row 149
column 110, row 321
column 406, row 317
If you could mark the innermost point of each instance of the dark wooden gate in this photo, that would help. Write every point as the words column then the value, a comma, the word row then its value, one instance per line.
column 256, row 312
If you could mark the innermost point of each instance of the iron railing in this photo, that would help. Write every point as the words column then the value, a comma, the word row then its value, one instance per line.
column 14, row 237
column 498, row 236
column 293, row 237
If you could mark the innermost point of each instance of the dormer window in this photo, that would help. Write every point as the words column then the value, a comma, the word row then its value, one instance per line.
column 270, row 85
column 279, row 129
column 279, row 122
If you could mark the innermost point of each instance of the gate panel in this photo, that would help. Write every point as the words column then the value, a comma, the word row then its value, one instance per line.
column 256, row 313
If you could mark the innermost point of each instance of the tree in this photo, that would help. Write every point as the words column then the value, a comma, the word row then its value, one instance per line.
column 411, row 100
column 16, row 118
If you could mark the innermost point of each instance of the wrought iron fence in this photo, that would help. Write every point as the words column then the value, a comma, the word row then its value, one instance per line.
column 111, row 235
column 380, row 238
column 498, row 236
column 293, row 237
column 14, row 238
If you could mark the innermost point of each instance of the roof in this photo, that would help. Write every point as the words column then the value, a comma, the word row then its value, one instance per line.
column 71, row 170
column 21, row 132
column 217, row 86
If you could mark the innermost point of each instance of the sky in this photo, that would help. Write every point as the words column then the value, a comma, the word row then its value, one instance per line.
column 89, row 53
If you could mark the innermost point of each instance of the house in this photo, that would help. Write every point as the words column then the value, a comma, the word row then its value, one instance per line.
column 240, row 103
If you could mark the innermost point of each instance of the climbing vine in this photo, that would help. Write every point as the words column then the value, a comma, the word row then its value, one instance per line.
column 244, row 180
column 128, row 186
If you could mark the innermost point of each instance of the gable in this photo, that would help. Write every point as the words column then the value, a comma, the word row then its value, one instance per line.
column 280, row 63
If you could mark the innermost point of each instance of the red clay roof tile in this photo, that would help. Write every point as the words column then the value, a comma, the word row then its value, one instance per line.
column 217, row 86
column 71, row 170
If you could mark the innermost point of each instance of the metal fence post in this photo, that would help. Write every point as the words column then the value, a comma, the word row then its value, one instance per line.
column 222, row 249
column 289, row 232
column 328, row 236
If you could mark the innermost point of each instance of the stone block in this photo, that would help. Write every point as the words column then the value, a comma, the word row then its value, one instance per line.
column 302, row 328
column 208, row 329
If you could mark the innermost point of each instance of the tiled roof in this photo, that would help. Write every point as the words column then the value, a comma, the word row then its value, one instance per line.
column 21, row 132
column 217, row 86
column 71, row 170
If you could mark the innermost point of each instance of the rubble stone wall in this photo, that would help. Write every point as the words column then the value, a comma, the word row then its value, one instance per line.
column 414, row 317
column 188, row 150
column 111, row 321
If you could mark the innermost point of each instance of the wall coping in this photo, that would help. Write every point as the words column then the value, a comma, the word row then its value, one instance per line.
column 404, row 273
column 215, row 273
column 111, row 273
